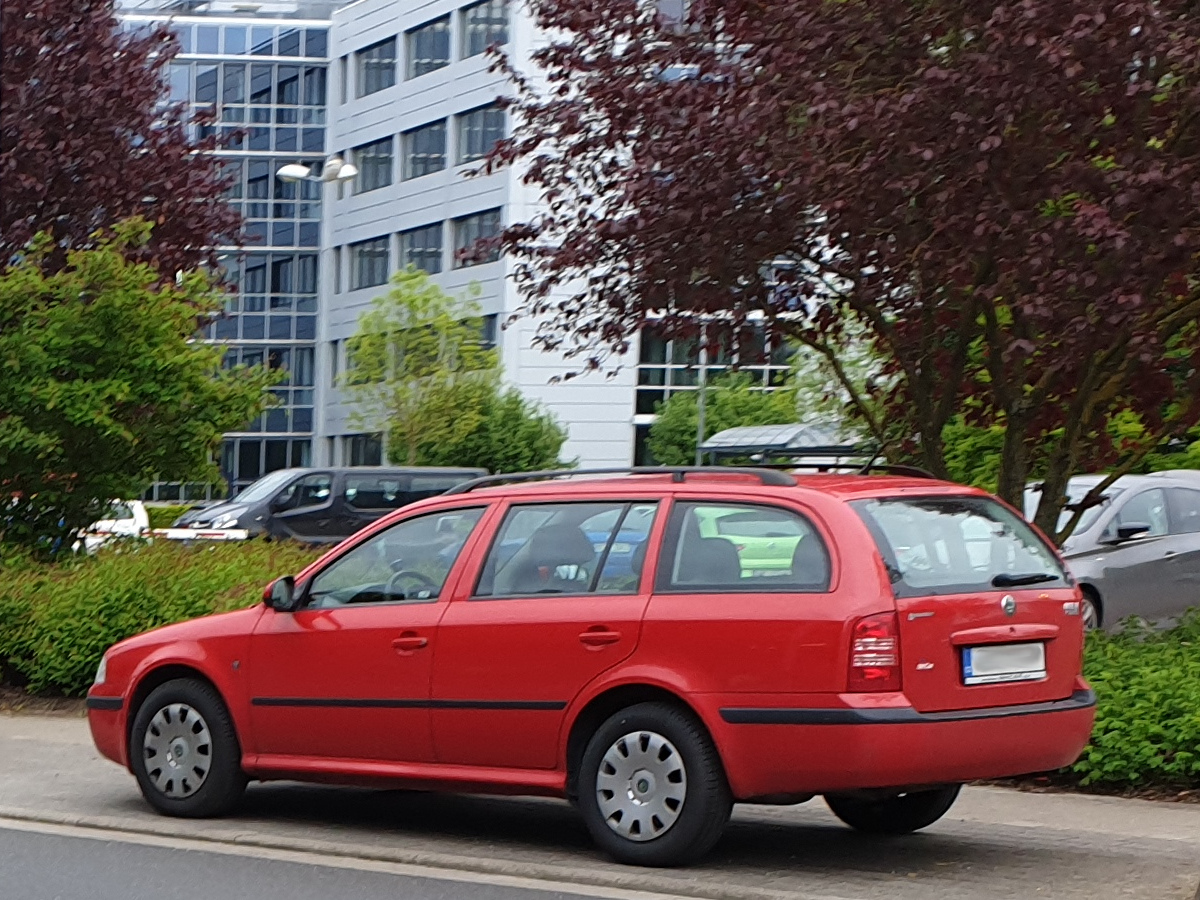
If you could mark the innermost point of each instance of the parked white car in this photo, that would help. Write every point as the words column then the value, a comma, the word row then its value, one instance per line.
column 125, row 518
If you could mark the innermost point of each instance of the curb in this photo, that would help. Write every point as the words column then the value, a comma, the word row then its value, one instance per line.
column 617, row 877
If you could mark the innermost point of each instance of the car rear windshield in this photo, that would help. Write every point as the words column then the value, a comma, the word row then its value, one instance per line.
column 955, row 545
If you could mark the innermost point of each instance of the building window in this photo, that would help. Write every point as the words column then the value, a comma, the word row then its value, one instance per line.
column 471, row 229
column 484, row 24
column 422, row 248
column 374, row 163
column 428, row 47
column 368, row 263
column 424, row 150
column 478, row 132
column 488, row 329
column 364, row 449
column 376, row 67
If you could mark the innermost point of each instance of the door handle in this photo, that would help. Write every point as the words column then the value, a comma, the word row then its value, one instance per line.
column 599, row 637
column 409, row 642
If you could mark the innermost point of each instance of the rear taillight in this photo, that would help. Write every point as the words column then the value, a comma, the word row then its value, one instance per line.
column 875, row 654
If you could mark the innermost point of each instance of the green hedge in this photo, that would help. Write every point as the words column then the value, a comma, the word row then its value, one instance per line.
column 165, row 516
column 1147, row 730
column 57, row 620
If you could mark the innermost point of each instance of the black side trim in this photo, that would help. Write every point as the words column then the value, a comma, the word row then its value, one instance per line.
column 110, row 704
column 900, row 716
column 388, row 703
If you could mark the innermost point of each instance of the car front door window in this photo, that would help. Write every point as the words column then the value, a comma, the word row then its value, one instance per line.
column 407, row 563
column 1147, row 508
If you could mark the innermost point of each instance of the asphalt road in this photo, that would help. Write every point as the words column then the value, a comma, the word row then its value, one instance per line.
column 35, row 865
column 995, row 843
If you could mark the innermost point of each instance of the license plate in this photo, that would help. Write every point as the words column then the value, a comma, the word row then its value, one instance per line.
column 998, row 663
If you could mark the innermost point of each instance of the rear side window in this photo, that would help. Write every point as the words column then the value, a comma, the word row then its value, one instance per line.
column 955, row 545
column 568, row 548
column 748, row 548
column 373, row 492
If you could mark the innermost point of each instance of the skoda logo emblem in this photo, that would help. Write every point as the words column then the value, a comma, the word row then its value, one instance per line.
column 1009, row 604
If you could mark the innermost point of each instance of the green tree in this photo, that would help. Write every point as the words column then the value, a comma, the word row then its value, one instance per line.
column 514, row 434
column 102, row 385
column 415, row 365
column 732, row 400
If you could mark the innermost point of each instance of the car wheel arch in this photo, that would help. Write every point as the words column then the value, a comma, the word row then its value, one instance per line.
column 153, row 678
column 594, row 713
column 1092, row 594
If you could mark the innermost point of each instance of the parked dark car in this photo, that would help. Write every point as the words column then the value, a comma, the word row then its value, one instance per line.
column 325, row 505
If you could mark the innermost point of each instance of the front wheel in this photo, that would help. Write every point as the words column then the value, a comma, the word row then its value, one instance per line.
column 652, row 790
column 184, row 751
column 898, row 814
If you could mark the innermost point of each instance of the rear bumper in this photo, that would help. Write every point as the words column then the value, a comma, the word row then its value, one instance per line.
column 789, row 750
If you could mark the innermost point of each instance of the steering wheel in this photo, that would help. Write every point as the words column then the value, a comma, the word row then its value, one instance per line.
column 393, row 584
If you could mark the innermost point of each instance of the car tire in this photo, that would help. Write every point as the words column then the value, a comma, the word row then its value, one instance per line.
column 898, row 814
column 184, row 751
column 1091, row 612
column 652, row 790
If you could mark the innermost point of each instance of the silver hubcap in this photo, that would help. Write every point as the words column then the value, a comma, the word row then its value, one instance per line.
column 641, row 786
column 177, row 749
column 1090, row 619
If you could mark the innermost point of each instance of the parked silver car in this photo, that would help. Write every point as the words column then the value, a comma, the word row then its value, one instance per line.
column 1138, row 552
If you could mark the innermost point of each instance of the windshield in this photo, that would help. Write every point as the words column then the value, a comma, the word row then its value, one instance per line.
column 954, row 545
column 1075, row 493
column 265, row 487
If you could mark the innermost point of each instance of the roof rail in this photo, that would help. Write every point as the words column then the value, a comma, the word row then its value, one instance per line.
column 856, row 468
column 771, row 477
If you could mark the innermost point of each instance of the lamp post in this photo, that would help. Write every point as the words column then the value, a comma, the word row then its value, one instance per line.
column 701, row 400
column 334, row 169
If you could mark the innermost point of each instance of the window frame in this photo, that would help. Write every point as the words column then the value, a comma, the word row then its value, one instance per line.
column 366, row 64
column 465, row 553
column 366, row 159
column 355, row 284
column 468, row 30
column 624, row 504
column 405, row 259
column 673, row 534
column 457, row 225
column 410, row 56
column 463, row 124
column 407, row 156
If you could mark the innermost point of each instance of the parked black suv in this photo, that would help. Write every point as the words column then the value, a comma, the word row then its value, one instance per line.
column 324, row 505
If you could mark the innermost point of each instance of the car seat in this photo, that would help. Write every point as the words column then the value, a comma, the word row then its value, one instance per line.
column 810, row 565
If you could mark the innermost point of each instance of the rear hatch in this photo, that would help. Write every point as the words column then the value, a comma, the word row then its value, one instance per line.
column 987, row 613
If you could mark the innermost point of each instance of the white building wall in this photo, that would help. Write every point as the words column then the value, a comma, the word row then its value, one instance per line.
column 596, row 409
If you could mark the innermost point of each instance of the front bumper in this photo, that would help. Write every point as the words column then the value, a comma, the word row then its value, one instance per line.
column 771, row 751
column 107, row 719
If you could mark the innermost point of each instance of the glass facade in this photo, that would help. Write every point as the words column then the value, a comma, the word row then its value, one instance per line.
column 262, row 82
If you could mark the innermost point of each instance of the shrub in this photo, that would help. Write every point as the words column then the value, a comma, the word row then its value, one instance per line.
column 165, row 516
column 56, row 620
column 1147, row 730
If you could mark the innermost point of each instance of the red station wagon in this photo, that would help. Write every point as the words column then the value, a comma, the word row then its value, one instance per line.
column 584, row 638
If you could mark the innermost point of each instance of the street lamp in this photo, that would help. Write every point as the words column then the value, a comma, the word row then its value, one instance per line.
column 334, row 169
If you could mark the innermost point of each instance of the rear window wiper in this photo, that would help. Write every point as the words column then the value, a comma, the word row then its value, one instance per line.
column 1004, row 580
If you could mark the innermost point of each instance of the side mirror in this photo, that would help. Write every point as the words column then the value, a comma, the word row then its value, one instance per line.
column 1130, row 530
column 280, row 594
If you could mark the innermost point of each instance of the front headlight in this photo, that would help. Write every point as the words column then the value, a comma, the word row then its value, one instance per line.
column 227, row 520
column 101, row 670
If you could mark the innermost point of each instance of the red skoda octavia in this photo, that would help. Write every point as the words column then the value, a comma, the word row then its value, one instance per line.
column 654, row 647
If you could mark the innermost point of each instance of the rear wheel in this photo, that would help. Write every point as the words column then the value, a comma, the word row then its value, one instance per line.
column 897, row 814
column 184, row 751
column 1092, row 616
column 652, row 790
